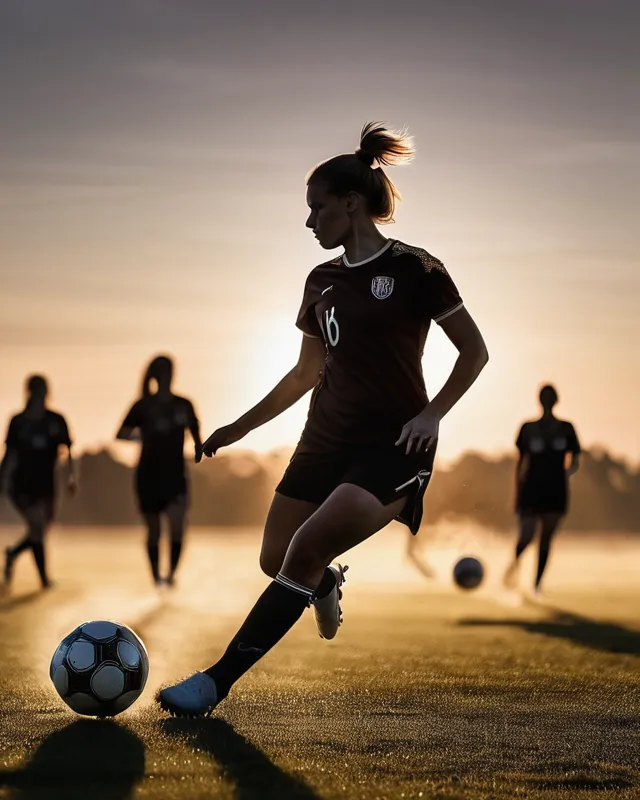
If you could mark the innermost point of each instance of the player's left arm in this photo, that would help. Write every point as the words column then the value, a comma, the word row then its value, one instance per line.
column 464, row 334
column 573, row 451
column 70, row 463
column 194, row 429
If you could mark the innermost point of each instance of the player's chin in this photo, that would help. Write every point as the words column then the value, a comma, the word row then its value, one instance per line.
column 327, row 243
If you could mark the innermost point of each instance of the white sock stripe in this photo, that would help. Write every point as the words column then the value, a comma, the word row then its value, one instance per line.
column 289, row 584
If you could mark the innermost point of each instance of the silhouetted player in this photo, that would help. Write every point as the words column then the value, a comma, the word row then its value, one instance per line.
column 549, row 452
column 27, row 473
column 367, row 449
column 159, row 420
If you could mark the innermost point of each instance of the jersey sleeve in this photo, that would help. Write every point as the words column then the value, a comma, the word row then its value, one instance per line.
column 135, row 416
column 63, row 432
column 306, row 320
column 440, row 296
column 192, row 417
column 11, row 439
column 521, row 440
column 573, row 445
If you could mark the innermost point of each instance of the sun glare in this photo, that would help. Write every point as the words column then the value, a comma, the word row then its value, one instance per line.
column 266, row 354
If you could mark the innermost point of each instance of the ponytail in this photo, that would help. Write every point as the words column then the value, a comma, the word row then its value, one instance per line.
column 159, row 366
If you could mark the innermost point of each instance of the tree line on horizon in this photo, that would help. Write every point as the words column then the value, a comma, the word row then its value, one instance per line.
column 236, row 489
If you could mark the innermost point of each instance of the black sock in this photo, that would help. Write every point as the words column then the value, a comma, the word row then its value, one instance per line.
column 152, row 550
column 543, row 556
column 23, row 544
column 327, row 583
column 39, row 558
column 176, row 549
column 278, row 609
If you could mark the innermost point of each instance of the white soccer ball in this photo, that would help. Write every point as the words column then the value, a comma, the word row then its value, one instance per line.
column 100, row 668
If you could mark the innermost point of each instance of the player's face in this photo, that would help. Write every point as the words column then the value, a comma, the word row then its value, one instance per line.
column 330, row 218
column 548, row 398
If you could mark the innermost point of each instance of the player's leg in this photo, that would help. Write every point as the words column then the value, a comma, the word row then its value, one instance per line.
column 414, row 555
column 349, row 516
column 12, row 552
column 176, row 515
column 528, row 524
column 308, row 481
column 285, row 516
column 38, row 516
column 152, row 521
column 550, row 522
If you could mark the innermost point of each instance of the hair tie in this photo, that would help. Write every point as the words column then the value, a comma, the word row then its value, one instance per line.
column 365, row 157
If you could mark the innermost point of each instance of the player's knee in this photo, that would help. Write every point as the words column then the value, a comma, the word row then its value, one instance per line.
column 36, row 532
column 304, row 560
column 269, row 564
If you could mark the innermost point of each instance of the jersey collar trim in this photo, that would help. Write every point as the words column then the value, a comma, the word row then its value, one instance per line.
column 386, row 246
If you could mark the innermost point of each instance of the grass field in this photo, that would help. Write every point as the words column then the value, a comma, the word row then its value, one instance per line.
column 426, row 691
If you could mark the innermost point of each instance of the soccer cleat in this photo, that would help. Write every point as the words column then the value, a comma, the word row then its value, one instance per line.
column 9, row 558
column 196, row 696
column 327, row 609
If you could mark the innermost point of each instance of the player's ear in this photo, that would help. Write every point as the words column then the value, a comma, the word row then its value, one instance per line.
column 352, row 202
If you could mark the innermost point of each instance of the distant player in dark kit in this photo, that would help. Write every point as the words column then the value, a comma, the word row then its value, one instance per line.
column 549, row 452
column 367, row 449
column 27, row 473
column 159, row 419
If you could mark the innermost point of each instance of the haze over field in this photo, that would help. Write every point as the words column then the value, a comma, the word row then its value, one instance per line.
column 153, row 161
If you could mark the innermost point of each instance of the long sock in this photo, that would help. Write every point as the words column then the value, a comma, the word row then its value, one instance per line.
column 23, row 544
column 176, row 549
column 543, row 557
column 277, row 610
column 522, row 546
column 327, row 583
column 152, row 551
column 39, row 558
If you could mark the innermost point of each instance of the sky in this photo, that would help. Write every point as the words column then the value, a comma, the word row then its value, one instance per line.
column 152, row 164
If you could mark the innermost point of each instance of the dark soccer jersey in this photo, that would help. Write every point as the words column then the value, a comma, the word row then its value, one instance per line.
column 36, row 443
column 162, row 424
column 374, row 318
column 546, row 445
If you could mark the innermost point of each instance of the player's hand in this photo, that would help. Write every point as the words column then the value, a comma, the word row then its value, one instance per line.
column 421, row 431
column 222, row 437
column 198, row 454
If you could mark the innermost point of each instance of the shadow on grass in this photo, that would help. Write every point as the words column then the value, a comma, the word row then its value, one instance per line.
column 562, row 624
column 95, row 759
column 583, row 783
column 253, row 774
column 8, row 603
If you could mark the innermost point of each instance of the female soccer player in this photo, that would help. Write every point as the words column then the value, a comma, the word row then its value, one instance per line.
column 367, row 449
column 159, row 420
column 27, row 473
column 549, row 452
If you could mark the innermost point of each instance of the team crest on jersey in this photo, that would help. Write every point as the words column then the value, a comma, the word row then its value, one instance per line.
column 381, row 287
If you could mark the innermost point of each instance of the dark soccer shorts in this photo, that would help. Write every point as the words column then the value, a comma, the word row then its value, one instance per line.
column 156, row 491
column 25, row 500
column 387, row 473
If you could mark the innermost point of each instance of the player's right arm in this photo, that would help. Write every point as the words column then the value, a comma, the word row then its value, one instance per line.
column 10, row 458
column 7, row 468
column 295, row 384
column 522, row 463
column 129, row 431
